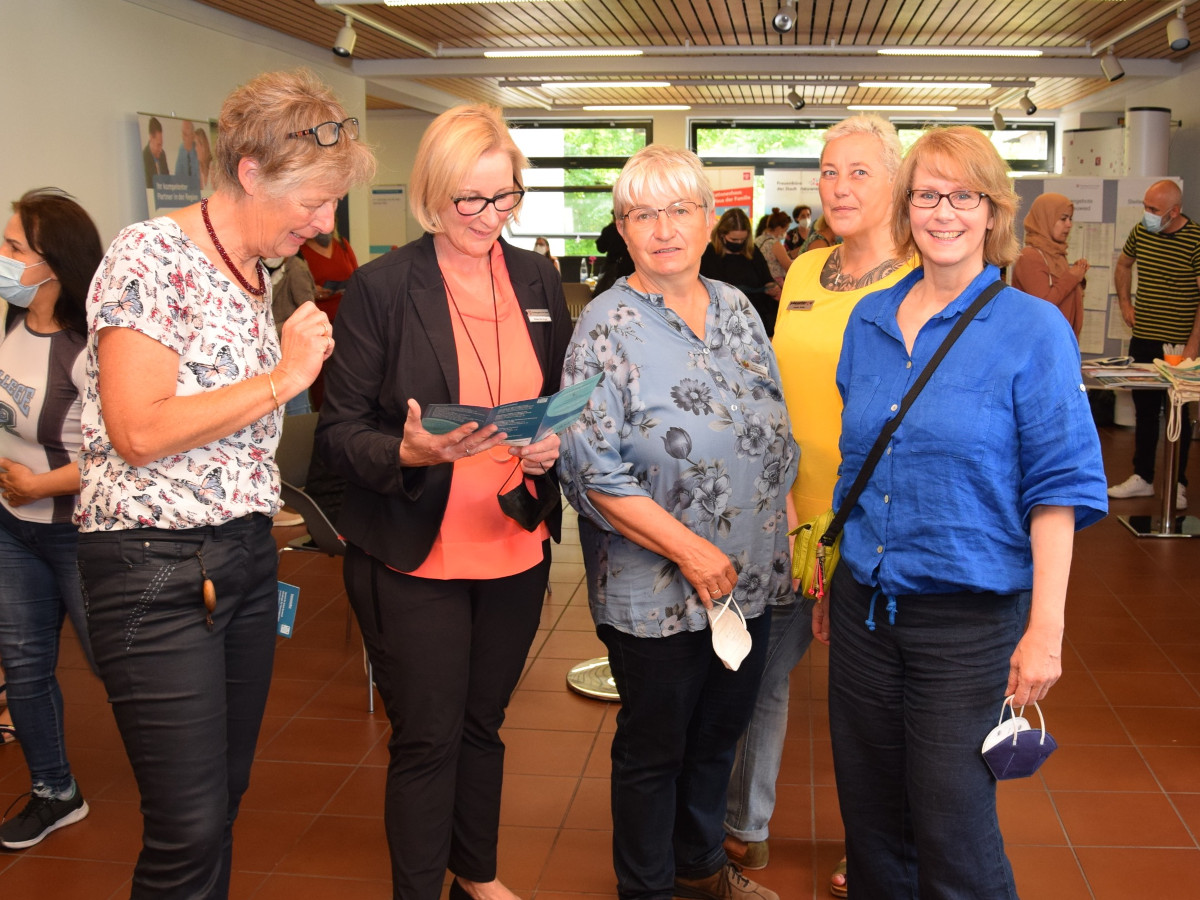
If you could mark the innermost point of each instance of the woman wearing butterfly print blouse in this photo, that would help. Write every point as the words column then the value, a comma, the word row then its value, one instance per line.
column 181, row 417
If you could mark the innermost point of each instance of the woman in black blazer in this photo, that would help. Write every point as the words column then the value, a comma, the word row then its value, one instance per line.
column 446, row 585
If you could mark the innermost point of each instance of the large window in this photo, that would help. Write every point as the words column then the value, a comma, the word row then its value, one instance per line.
column 763, row 145
column 574, row 165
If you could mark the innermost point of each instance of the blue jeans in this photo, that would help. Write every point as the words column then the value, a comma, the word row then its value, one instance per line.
column 909, row 706
column 681, row 715
column 188, row 699
column 39, row 582
column 751, row 799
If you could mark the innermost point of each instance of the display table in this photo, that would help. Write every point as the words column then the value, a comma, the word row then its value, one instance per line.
column 1169, row 522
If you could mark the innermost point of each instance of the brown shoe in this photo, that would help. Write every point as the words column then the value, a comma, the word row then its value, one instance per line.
column 752, row 855
column 726, row 883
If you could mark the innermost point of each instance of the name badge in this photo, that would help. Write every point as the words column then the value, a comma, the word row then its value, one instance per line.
column 538, row 315
column 756, row 368
column 800, row 306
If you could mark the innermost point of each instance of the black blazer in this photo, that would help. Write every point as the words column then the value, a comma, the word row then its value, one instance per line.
column 395, row 341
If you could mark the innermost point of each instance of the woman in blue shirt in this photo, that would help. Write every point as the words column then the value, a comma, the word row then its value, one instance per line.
column 680, row 467
column 953, row 580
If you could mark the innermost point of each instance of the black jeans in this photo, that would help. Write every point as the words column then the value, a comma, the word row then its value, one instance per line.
column 1147, row 405
column 681, row 715
column 446, row 656
column 188, row 700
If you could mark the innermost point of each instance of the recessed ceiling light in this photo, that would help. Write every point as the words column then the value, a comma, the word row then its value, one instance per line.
column 646, row 106
column 955, row 51
column 566, row 51
column 583, row 85
column 899, row 107
column 942, row 85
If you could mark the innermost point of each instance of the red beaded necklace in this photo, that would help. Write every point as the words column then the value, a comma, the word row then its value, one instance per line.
column 258, row 266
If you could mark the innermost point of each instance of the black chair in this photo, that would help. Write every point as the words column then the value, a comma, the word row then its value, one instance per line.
column 293, row 457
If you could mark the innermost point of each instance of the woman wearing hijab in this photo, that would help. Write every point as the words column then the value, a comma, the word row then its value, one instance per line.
column 1042, row 268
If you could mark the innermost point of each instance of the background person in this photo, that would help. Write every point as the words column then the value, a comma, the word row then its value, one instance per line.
column 204, row 159
column 154, row 159
column 820, row 236
column 954, row 561
column 732, row 257
column 859, row 160
column 1165, row 247
column 447, row 587
column 542, row 246
column 1042, row 268
column 770, row 245
column 796, row 235
column 679, row 468
column 181, row 416
column 187, row 160
column 50, row 250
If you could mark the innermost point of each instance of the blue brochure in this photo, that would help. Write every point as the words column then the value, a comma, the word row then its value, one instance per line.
column 524, row 421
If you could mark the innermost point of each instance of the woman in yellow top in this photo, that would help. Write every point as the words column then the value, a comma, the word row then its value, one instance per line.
column 858, row 163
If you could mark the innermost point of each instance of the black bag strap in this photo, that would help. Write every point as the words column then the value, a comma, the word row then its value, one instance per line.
column 864, row 474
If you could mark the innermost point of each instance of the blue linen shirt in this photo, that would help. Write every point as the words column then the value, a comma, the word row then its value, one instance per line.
column 700, row 427
column 1002, row 426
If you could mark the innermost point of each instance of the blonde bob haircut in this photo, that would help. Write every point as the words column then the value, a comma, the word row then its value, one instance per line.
column 876, row 127
column 966, row 156
column 255, row 122
column 659, row 170
column 449, row 150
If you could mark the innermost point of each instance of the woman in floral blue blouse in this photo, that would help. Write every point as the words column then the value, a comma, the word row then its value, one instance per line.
column 680, row 468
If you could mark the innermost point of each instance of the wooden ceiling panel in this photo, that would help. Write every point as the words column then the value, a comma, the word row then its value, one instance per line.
column 697, row 36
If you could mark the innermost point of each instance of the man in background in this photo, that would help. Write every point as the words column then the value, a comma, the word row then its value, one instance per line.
column 1165, row 247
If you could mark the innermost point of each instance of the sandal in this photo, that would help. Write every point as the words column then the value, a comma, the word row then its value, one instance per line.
column 8, row 734
column 839, row 871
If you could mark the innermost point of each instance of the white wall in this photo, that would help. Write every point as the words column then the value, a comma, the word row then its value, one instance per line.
column 77, row 72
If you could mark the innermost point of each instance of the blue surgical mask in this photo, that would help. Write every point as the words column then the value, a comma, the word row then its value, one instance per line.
column 11, row 289
column 1152, row 223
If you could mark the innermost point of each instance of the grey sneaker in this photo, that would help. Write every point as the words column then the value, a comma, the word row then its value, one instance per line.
column 41, row 816
column 725, row 884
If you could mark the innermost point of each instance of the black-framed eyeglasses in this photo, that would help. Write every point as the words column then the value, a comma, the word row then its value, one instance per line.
column 473, row 206
column 678, row 212
column 327, row 133
column 963, row 200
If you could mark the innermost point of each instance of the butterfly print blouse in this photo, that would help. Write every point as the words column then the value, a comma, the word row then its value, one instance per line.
column 156, row 281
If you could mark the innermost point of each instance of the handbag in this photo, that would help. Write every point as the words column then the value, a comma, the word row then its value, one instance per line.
column 1013, row 749
column 813, row 562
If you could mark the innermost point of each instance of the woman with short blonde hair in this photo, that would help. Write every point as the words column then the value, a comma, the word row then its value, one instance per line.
column 448, row 534
column 181, row 415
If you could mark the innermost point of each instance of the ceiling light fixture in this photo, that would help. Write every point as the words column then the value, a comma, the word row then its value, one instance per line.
column 645, row 106
column 1177, row 32
column 565, row 51
column 899, row 107
column 956, row 51
column 785, row 19
column 1111, row 66
column 795, row 101
column 343, row 44
column 584, row 85
column 997, row 120
column 930, row 85
column 1028, row 105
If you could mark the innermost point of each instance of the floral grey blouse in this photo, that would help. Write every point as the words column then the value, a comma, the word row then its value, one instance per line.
column 700, row 427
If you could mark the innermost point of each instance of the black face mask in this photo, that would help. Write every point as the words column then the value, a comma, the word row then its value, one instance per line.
column 734, row 246
column 526, row 510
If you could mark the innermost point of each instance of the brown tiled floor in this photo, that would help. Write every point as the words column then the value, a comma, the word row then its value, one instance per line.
column 1114, row 814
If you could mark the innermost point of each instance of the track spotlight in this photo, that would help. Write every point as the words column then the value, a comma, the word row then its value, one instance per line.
column 1028, row 105
column 1177, row 32
column 785, row 19
column 1111, row 66
column 795, row 101
column 997, row 120
column 343, row 44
